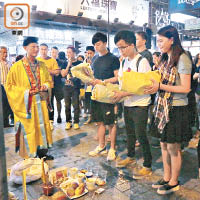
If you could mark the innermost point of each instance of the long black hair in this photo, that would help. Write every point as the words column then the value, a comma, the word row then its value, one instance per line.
column 171, row 32
column 196, row 59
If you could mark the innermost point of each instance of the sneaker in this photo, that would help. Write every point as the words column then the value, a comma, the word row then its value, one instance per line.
column 145, row 171
column 124, row 163
column 137, row 144
column 68, row 126
column 88, row 121
column 159, row 183
column 51, row 124
column 76, row 126
column 59, row 120
column 111, row 154
column 167, row 189
column 84, row 115
column 97, row 150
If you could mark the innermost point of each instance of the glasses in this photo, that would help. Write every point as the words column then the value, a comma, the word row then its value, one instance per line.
column 123, row 48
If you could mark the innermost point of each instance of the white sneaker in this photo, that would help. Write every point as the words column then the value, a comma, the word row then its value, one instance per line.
column 111, row 154
column 97, row 150
column 51, row 124
column 84, row 115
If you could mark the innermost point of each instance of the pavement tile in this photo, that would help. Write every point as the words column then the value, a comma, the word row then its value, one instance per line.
column 71, row 149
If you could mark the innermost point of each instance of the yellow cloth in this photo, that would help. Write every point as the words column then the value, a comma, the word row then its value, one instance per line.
column 17, row 86
column 89, row 88
column 104, row 93
column 79, row 72
column 51, row 64
column 135, row 82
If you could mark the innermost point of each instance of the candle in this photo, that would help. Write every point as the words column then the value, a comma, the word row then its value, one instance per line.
column 24, row 184
column 43, row 172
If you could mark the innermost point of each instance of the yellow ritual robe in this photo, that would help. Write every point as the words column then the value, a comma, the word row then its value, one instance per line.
column 33, row 127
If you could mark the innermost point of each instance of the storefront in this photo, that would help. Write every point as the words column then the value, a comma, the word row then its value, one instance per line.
column 63, row 24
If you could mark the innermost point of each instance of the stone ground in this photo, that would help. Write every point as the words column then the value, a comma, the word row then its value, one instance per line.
column 71, row 149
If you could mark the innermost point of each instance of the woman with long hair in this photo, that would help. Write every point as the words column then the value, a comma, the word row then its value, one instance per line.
column 171, row 111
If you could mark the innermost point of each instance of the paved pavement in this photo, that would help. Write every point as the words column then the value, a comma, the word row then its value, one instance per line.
column 71, row 149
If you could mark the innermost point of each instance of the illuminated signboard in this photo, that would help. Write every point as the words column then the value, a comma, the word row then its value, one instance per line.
column 183, row 5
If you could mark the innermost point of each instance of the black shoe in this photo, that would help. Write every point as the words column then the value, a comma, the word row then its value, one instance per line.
column 159, row 183
column 12, row 121
column 8, row 125
column 48, row 157
column 59, row 120
column 167, row 189
column 41, row 153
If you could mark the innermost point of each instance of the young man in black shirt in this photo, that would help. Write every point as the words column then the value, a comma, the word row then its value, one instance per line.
column 71, row 90
column 105, row 71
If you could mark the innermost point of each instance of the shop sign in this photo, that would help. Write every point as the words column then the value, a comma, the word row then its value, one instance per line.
column 192, row 24
column 183, row 5
column 124, row 10
column 162, row 18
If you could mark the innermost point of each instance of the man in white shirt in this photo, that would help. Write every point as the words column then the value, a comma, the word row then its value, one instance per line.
column 135, row 106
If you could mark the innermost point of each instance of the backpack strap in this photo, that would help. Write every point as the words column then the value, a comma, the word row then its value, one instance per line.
column 138, row 62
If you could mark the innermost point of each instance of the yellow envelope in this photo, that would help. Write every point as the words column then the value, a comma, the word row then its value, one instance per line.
column 135, row 82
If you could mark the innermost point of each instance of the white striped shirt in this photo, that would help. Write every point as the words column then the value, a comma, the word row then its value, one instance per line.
column 4, row 68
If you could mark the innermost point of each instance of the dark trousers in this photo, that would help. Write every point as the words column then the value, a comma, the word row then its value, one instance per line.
column 71, row 96
column 135, row 123
column 198, row 153
column 87, row 102
column 6, row 107
column 51, row 114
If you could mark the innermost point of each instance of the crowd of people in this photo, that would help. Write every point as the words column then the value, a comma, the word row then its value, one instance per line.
column 163, row 109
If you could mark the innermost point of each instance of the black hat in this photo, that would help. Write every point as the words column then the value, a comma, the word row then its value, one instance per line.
column 29, row 40
column 91, row 48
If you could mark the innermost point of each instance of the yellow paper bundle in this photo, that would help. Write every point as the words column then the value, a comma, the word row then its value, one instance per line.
column 135, row 82
column 79, row 72
column 104, row 93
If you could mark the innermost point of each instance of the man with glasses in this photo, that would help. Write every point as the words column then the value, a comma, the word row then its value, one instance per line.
column 105, row 71
column 135, row 106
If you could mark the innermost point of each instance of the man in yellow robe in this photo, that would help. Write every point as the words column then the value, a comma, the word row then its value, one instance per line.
column 27, row 80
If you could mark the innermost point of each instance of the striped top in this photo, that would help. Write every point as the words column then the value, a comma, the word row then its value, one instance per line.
column 4, row 68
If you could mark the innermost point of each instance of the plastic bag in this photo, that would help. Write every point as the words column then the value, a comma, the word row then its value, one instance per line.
column 78, row 71
column 104, row 93
column 135, row 82
column 33, row 168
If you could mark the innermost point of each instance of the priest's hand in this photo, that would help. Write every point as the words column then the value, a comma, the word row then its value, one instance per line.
column 33, row 91
column 43, row 88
